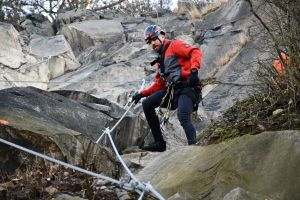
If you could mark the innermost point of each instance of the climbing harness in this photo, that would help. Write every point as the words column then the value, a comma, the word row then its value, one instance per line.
column 169, row 97
column 135, row 184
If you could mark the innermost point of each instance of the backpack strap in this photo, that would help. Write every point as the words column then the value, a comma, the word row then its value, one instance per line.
column 160, row 59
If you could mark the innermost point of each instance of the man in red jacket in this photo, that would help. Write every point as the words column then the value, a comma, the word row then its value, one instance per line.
column 177, row 64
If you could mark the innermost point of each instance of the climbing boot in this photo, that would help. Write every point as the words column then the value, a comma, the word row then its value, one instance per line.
column 158, row 146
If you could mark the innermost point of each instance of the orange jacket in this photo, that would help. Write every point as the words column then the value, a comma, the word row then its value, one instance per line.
column 278, row 65
column 179, row 59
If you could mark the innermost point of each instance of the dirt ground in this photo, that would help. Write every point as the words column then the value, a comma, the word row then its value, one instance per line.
column 48, row 182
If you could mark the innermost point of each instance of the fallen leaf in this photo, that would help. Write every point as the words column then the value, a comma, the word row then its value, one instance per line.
column 51, row 190
column 8, row 185
column 3, row 122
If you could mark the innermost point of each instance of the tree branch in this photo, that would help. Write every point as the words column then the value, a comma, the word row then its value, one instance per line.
column 110, row 5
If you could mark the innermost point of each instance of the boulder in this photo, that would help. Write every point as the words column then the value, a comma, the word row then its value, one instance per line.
column 55, row 125
column 178, row 27
column 241, row 194
column 17, row 67
column 116, row 75
column 251, row 162
column 11, row 54
column 67, row 197
column 61, row 60
column 35, row 75
column 37, row 24
column 82, row 35
column 65, row 17
column 180, row 196
column 130, row 132
column 68, row 121
column 134, row 28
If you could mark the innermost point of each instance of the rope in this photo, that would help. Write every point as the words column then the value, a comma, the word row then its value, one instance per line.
column 130, row 100
column 121, row 118
column 134, row 81
column 166, row 115
column 40, row 62
column 136, row 184
column 59, row 162
column 47, row 82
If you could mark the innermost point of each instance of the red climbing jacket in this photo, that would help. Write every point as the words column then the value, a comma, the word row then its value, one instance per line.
column 178, row 59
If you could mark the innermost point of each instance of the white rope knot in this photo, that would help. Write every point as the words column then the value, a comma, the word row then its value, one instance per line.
column 107, row 130
column 135, row 185
column 123, row 181
column 148, row 186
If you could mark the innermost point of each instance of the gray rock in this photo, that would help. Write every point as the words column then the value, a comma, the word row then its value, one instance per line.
column 62, row 58
column 11, row 54
column 77, row 15
column 181, row 196
column 16, row 67
column 121, row 77
column 67, row 197
column 31, row 74
column 48, row 122
column 134, row 28
column 82, row 35
column 37, row 24
column 122, row 194
column 240, row 194
column 251, row 162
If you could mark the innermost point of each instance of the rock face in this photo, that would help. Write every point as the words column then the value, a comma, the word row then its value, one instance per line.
column 112, row 77
column 37, row 76
column 250, row 162
column 37, row 24
column 131, row 130
column 228, row 49
column 241, row 194
column 82, row 35
column 11, row 54
column 49, row 122
column 72, row 16
column 16, row 67
column 62, row 58
column 114, row 59
column 116, row 69
column 33, row 67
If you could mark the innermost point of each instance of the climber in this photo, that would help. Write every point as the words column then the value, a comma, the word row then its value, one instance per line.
column 177, row 67
column 280, row 63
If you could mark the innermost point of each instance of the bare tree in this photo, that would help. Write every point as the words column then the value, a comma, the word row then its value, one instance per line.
column 280, row 20
column 12, row 10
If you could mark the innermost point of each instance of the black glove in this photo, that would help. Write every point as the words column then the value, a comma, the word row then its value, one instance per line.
column 193, row 79
column 136, row 97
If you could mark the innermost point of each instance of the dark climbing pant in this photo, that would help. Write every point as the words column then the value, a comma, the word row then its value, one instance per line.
column 185, row 109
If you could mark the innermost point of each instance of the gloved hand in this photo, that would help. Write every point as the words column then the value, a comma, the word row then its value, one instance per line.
column 137, row 97
column 193, row 79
